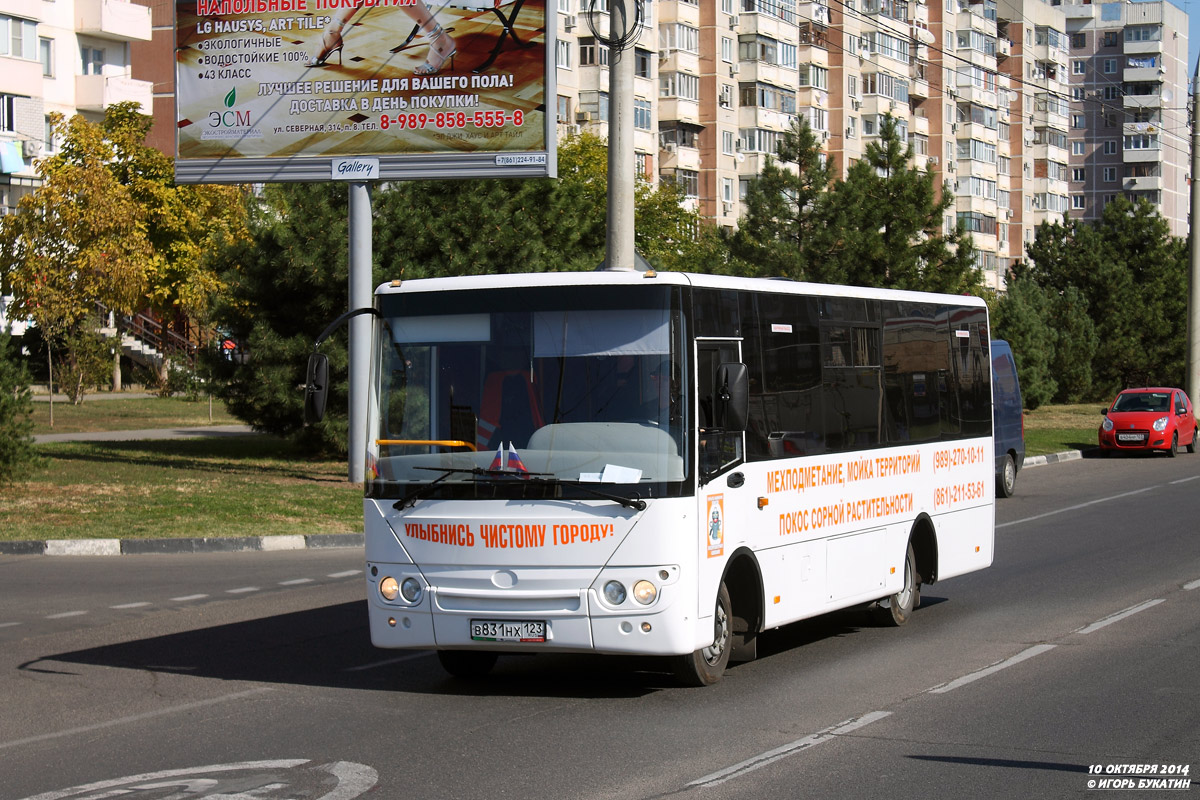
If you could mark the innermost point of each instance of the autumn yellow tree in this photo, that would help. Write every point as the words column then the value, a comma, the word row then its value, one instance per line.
column 109, row 226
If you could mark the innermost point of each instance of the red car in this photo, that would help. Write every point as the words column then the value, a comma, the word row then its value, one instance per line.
column 1148, row 419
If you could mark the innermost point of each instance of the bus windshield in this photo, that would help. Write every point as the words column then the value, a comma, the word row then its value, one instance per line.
column 532, row 392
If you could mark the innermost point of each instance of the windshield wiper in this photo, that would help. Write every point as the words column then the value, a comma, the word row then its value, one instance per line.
column 412, row 497
column 635, row 502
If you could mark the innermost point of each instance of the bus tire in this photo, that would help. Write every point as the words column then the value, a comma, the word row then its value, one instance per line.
column 467, row 664
column 706, row 666
column 1006, row 483
column 894, row 611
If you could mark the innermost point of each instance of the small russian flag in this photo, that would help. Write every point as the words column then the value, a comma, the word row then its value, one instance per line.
column 514, row 460
column 500, row 461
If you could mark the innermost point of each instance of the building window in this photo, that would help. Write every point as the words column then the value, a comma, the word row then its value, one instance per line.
column 728, row 146
column 1077, row 148
column 689, row 181
column 1112, row 38
column 641, row 114
column 1078, row 202
column 564, row 6
column 1078, row 40
column 562, row 54
column 727, row 190
column 1078, row 174
column 1110, row 147
column 679, row 84
column 1110, row 174
column 48, row 136
column 18, row 37
column 1078, row 67
column 46, row 53
column 564, row 108
column 1078, row 121
column 93, row 60
column 590, row 53
column 1110, row 66
column 642, row 62
column 727, row 49
column 8, row 121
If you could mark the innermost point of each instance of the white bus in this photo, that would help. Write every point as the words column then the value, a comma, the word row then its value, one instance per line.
column 666, row 464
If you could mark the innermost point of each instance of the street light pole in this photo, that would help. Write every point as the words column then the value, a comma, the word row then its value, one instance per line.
column 1193, row 309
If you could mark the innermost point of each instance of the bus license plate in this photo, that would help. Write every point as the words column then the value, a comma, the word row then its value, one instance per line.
column 508, row 630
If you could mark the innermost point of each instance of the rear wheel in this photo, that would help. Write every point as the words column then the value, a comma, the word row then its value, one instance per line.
column 1006, row 481
column 706, row 666
column 1191, row 448
column 896, row 610
column 467, row 663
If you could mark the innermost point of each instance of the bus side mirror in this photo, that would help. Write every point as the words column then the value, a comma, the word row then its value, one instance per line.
column 316, row 388
column 733, row 396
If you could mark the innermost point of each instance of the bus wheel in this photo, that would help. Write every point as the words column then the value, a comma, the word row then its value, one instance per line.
column 467, row 663
column 705, row 666
column 896, row 610
column 1007, row 483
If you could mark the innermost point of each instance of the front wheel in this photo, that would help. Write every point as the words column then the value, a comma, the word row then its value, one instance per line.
column 706, row 666
column 1174, row 450
column 896, row 610
column 1006, row 483
column 467, row 664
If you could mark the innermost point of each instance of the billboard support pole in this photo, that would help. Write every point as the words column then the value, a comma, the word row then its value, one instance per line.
column 621, row 154
column 360, row 328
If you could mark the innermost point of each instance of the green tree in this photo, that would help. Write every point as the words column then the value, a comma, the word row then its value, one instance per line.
column 1129, row 270
column 16, row 412
column 881, row 226
column 1075, row 344
column 1021, row 319
column 109, row 226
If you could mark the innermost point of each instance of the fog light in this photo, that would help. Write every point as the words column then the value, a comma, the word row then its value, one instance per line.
column 389, row 588
column 411, row 589
column 614, row 593
column 645, row 627
column 645, row 592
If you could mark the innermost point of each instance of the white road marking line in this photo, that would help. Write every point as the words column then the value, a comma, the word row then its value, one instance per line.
column 1117, row 617
column 994, row 668
column 8, row 624
column 786, row 750
column 66, row 614
column 375, row 664
column 243, row 590
column 1185, row 480
column 130, row 605
column 1076, row 507
column 135, row 718
column 1187, row 587
column 295, row 582
column 346, row 574
column 187, row 597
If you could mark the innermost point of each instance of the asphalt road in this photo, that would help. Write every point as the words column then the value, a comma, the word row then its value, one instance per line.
column 251, row 675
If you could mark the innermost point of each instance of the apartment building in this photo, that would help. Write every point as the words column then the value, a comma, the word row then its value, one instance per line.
column 1129, row 96
column 1026, row 110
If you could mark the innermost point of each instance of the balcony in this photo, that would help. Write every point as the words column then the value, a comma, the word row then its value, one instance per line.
column 98, row 92
column 1149, row 184
column 1143, row 75
column 113, row 19
column 1140, row 48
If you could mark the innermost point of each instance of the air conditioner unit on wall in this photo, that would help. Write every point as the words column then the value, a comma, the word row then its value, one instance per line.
column 582, row 117
column 31, row 148
column 569, row 22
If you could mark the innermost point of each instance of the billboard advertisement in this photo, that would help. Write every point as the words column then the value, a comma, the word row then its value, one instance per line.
column 309, row 90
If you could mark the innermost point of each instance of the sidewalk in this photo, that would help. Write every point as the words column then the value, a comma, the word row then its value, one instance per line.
column 147, row 433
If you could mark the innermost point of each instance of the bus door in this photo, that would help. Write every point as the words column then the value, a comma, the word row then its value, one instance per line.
column 726, row 502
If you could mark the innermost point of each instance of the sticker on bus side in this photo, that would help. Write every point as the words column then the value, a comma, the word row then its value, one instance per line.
column 716, row 525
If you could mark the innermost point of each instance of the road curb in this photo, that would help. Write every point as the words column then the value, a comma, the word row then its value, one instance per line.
column 1052, row 458
column 213, row 544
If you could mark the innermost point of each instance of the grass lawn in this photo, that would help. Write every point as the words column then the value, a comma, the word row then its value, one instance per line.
column 127, row 414
column 1052, row 429
column 241, row 486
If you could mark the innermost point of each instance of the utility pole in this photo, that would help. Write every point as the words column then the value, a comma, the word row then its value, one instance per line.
column 1193, row 308
column 622, row 32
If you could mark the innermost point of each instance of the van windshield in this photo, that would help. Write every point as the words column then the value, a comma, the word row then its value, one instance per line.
column 577, row 385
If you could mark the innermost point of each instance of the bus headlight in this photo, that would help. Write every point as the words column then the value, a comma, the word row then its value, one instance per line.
column 614, row 593
column 411, row 589
column 389, row 588
column 645, row 592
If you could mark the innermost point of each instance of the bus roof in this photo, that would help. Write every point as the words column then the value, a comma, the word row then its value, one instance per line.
column 622, row 278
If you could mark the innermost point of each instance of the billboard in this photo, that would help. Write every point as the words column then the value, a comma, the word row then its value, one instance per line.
column 312, row 90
